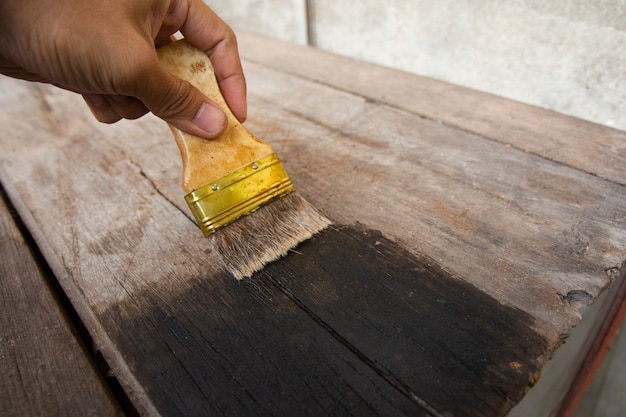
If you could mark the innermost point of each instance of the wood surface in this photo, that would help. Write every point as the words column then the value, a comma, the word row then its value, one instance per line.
column 457, row 263
column 589, row 147
column 45, row 371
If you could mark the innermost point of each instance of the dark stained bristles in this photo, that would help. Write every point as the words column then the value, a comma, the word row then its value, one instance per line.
column 253, row 241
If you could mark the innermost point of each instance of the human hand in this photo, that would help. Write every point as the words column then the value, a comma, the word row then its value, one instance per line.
column 105, row 50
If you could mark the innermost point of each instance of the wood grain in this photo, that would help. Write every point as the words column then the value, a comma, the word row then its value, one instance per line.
column 390, row 306
column 549, row 230
column 590, row 147
column 181, row 335
column 455, row 195
column 45, row 371
column 527, row 237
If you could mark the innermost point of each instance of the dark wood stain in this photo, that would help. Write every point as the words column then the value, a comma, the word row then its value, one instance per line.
column 348, row 324
column 244, row 348
column 429, row 334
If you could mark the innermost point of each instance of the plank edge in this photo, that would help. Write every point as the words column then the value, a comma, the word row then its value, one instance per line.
column 101, row 340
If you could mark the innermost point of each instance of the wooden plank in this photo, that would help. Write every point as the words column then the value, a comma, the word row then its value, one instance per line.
column 182, row 336
column 491, row 225
column 549, row 229
column 593, row 148
column 165, row 332
column 395, row 309
column 45, row 371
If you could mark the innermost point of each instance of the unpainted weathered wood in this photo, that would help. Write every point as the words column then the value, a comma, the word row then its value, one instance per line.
column 45, row 371
column 584, row 145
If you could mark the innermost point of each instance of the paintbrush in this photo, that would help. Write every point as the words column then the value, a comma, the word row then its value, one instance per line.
column 235, row 185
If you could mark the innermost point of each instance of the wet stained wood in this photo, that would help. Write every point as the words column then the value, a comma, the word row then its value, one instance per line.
column 457, row 263
column 397, row 312
column 222, row 347
column 45, row 371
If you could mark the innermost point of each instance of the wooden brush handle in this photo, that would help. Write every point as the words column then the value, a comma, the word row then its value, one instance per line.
column 205, row 160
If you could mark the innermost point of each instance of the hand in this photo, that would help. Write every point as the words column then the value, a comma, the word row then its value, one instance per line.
column 105, row 50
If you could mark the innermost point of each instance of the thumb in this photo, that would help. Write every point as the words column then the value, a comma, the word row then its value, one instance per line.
column 181, row 104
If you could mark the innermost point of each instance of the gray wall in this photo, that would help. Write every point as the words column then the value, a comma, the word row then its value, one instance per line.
column 565, row 55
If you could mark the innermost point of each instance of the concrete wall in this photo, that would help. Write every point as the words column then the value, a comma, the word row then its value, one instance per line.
column 565, row 55
column 283, row 19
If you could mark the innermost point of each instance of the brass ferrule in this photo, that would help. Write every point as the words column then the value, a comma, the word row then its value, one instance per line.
column 239, row 193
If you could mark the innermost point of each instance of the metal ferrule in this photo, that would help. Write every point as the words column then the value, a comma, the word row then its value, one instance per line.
column 239, row 193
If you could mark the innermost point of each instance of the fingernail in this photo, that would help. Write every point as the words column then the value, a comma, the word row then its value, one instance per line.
column 210, row 119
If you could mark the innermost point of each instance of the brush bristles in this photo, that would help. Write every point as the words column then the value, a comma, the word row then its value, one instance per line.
column 255, row 240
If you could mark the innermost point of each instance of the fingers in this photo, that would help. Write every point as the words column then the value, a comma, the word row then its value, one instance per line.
column 174, row 101
column 111, row 108
column 207, row 32
column 179, row 103
column 137, row 83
